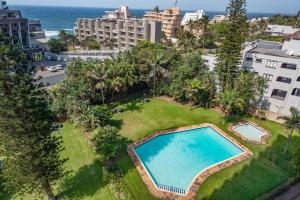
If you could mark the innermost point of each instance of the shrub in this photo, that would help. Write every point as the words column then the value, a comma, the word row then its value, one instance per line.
column 94, row 117
column 296, row 162
column 107, row 141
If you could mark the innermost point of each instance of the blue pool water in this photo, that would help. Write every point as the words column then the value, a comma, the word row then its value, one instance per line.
column 175, row 159
column 249, row 131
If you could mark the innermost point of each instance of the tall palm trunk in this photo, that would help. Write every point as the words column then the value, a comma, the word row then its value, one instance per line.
column 48, row 191
column 203, row 41
column 154, row 80
column 102, row 94
column 289, row 140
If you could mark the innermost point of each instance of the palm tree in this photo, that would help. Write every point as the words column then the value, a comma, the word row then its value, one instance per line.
column 230, row 101
column 88, row 120
column 191, row 25
column 205, row 27
column 193, row 89
column 186, row 40
column 156, row 10
column 292, row 122
column 99, row 75
column 156, row 60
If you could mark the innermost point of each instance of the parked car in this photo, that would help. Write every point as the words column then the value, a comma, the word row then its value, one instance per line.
column 59, row 67
column 48, row 57
column 66, row 59
column 60, row 58
column 52, row 69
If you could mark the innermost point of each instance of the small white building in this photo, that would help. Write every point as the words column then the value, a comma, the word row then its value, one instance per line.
column 280, row 65
column 218, row 18
column 281, row 30
column 258, row 19
column 194, row 16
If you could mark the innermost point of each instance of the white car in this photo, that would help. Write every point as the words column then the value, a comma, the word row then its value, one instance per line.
column 60, row 58
column 66, row 59
column 59, row 67
column 52, row 69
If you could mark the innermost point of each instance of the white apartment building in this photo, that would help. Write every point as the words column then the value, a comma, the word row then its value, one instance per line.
column 121, row 13
column 280, row 30
column 280, row 65
column 218, row 18
column 119, row 28
column 194, row 16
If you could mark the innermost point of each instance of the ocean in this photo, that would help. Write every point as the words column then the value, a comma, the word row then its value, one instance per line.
column 54, row 19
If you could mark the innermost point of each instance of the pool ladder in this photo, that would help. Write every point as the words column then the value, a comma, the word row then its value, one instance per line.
column 171, row 188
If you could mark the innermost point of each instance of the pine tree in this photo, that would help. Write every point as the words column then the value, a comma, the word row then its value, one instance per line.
column 229, row 53
column 31, row 152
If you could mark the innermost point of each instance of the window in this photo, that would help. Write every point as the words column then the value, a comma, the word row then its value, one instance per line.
column 271, row 64
column 298, row 79
column 268, row 77
column 249, row 59
column 283, row 79
column 296, row 92
column 289, row 66
column 258, row 60
column 279, row 94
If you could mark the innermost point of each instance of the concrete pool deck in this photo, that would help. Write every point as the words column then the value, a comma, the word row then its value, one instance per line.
column 199, row 178
column 263, row 139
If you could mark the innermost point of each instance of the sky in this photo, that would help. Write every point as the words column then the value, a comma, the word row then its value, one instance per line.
column 270, row 6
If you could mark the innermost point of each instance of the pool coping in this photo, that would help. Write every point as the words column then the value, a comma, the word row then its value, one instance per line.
column 263, row 138
column 199, row 178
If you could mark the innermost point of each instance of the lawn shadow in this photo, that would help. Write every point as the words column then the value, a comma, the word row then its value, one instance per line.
column 269, row 169
column 84, row 183
column 117, row 123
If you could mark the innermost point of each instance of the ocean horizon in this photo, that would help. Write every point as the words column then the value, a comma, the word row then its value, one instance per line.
column 56, row 18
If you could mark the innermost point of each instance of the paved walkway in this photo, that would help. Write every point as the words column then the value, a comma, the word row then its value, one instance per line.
column 292, row 194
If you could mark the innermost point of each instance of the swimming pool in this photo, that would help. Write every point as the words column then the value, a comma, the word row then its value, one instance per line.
column 173, row 160
column 250, row 132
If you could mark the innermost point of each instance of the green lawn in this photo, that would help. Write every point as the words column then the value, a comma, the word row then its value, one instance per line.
column 247, row 180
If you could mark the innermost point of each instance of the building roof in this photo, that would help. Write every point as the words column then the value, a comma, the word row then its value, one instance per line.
column 294, row 36
column 9, row 14
column 272, row 52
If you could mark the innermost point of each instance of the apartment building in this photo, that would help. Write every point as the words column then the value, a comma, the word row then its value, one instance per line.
column 218, row 19
column 123, row 33
column 170, row 19
column 13, row 25
column 122, row 13
column 38, row 38
column 194, row 16
column 280, row 65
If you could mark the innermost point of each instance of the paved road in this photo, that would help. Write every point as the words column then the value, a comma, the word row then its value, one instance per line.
column 292, row 194
column 50, row 78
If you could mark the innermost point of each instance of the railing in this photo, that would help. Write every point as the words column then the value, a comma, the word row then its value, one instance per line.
column 171, row 188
